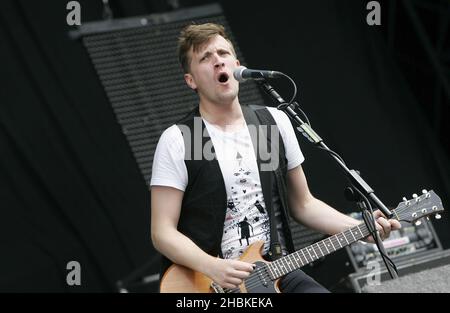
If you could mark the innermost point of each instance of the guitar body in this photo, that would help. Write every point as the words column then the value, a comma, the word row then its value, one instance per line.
column 181, row 279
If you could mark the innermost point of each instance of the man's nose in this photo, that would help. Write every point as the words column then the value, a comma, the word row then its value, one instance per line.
column 218, row 62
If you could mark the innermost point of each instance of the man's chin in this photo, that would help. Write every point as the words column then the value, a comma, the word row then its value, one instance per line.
column 225, row 102
column 227, row 97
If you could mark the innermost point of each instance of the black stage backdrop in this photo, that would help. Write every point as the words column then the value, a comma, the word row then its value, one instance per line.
column 70, row 187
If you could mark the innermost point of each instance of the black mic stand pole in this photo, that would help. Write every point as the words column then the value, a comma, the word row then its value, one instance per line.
column 356, row 180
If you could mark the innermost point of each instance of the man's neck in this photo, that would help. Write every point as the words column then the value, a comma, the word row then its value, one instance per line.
column 222, row 115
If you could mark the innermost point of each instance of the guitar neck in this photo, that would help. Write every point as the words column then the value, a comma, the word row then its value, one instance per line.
column 300, row 258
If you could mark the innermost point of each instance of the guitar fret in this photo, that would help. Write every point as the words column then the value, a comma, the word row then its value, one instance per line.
column 345, row 237
column 290, row 264
column 318, row 244
column 295, row 259
column 275, row 268
column 300, row 257
column 339, row 241
column 312, row 259
column 285, row 269
column 304, row 255
column 314, row 248
column 270, row 270
column 328, row 251
column 360, row 231
column 329, row 239
column 285, row 265
column 354, row 238
column 280, row 266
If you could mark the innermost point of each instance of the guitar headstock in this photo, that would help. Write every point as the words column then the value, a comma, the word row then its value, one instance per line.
column 428, row 203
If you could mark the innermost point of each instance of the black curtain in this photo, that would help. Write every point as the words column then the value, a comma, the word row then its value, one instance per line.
column 70, row 187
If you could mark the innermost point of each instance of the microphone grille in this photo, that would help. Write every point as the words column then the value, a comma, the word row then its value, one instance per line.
column 238, row 73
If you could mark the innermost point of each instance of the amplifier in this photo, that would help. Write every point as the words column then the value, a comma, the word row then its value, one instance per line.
column 411, row 268
column 411, row 240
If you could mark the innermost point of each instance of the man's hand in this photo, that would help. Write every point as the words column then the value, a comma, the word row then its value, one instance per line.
column 229, row 273
column 383, row 225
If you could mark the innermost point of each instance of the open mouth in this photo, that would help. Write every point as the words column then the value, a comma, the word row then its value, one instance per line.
column 223, row 78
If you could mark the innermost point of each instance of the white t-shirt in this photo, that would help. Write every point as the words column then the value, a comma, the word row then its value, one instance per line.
column 246, row 219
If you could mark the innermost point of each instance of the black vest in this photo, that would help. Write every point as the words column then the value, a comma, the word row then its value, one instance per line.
column 205, row 200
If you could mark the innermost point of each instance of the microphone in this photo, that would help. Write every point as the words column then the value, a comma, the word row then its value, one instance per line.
column 242, row 73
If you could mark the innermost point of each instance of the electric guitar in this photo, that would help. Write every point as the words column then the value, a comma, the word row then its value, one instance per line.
column 265, row 277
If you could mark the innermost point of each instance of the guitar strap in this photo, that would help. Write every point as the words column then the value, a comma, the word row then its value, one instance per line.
column 266, row 176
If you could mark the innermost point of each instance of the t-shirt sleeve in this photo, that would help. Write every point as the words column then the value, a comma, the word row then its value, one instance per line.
column 168, row 167
column 294, row 155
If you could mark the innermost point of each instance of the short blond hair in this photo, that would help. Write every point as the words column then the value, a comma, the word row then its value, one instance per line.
column 195, row 36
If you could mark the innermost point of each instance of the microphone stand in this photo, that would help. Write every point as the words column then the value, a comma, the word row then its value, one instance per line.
column 356, row 181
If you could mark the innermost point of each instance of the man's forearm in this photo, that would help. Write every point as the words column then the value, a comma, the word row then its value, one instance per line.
column 182, row 250
column 318, row 215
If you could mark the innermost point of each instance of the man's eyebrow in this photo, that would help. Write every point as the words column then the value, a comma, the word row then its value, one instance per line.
column 206, row 53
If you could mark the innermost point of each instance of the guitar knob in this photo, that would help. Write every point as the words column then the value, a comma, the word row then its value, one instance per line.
column 424, row 191
column 418, row 223
column 437, row 216
column 415, row 197
column 406, row 201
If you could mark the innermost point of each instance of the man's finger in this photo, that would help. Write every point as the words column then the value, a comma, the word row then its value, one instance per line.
column 385, row 225
column 243, row 266
column 378, row 214
column 395, row 224
column 241, row 274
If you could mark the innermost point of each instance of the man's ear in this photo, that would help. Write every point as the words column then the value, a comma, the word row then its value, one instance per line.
column 190, row 81
column 238, row 63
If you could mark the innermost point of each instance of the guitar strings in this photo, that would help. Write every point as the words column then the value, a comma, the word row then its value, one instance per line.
column 254, row 280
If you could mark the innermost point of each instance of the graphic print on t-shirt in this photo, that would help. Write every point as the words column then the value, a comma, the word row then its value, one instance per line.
column 244, row 227
column 246, row 219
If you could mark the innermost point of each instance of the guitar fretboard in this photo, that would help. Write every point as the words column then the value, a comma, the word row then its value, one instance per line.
column 296, row 260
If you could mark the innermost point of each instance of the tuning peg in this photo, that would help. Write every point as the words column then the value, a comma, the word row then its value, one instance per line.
column 406, row 201
column 426, row 193
column 416, row 197
column 418, row 223
column 428, row 218
column 437, row 216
